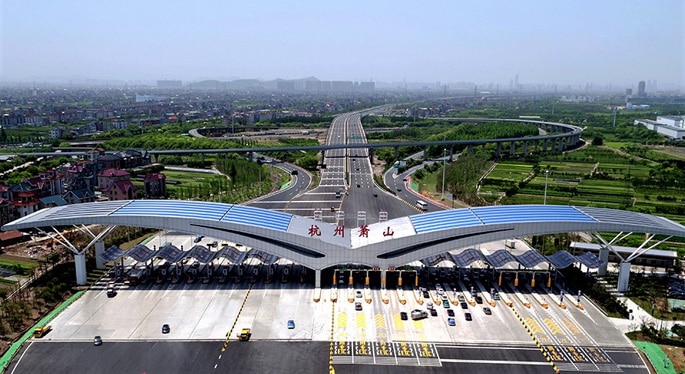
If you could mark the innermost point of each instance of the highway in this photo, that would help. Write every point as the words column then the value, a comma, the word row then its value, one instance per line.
column 346, row 190
column 525, row 330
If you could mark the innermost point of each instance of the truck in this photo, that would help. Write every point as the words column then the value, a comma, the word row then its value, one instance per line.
column 40, row 331
column 244, row 335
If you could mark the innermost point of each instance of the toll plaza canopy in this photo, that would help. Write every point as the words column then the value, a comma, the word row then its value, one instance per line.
column 318, row 244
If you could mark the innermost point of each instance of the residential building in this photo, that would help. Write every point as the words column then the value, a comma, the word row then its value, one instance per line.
column 116, row 184
column 155, row 185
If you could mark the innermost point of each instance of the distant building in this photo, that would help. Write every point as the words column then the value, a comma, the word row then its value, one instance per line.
column 641, row 89
column 285, row 85
column 78, row 196
column 56, row 132
column 670, row 126
column 155, row 185
column 24, row 199
column 116, row 184
column 367, row 86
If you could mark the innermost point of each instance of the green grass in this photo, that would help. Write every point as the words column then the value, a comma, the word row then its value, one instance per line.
column 28, row 264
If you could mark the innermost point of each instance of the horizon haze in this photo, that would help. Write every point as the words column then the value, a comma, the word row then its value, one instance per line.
column 493, row 42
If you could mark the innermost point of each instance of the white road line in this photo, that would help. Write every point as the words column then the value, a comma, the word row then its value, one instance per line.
column 455, row 360
column 22, row 356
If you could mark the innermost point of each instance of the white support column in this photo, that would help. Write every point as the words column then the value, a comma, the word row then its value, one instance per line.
column 80, row 264
column 604, row 257
column 317, row 278
column 99, row 250
column 623, row 276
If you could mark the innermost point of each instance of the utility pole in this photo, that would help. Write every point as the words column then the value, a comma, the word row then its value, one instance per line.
column 444, row 158
column 545, row 199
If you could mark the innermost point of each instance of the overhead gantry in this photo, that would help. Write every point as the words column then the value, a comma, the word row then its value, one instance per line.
column 319, row 245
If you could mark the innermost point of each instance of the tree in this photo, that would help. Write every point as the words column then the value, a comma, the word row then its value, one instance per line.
column 597, row 140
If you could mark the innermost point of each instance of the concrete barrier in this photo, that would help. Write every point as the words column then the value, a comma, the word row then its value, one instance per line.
column 334, row 294
column 384, row 295
column 400, row 296
column 317, row 294
column 467, row 294
column 367, row 295
column 554, row 298
column 537, row 297
column 503, row 296
column 485, row 294
column 418, row 296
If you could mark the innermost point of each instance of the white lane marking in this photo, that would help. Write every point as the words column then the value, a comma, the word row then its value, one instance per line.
column 22, row 356
column 455, row 360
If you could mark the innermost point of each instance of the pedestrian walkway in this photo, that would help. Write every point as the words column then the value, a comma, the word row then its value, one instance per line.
column 638, row 316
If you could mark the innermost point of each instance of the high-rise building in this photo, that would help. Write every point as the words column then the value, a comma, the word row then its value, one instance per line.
column 641, row 89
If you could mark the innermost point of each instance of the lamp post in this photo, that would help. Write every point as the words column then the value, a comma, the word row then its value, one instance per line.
column 444, row 150
column 545, row 199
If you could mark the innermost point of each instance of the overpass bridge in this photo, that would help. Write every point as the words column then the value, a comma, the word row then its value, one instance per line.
column 319, row 245
column 564, row 136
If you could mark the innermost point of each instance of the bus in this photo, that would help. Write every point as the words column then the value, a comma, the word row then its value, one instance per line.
column 421, row 205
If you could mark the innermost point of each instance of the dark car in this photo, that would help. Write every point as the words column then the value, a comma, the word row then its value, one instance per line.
column 479, row 300
column 426, row 295
column 450, row 312
column 434, row 312
column 165, row 329
column 403, row 316
column 467, row 316
column 97, row 340
column 464, row 305
column 487, row 310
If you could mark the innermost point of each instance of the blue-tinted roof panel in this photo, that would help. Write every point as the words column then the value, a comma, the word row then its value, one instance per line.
column 456, row 218
column 232, row 254
column 202, row 254
column 258, row 217
column 112, row 253
column 530, row 259
column 443, row 220
column 175, row 209
column 530, row 213
column 499, row 258
column 140, row 253
column 467, row 257
column 561, row 259
column 590, row 260
column 171, row 253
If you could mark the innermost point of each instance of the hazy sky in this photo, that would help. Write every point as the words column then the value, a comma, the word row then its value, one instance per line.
column 547, row 41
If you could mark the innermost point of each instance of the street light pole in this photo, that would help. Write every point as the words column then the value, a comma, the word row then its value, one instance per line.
column 546, row 175
column 443, row 174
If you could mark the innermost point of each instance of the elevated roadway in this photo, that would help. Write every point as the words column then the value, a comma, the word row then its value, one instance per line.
column 204, row 317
